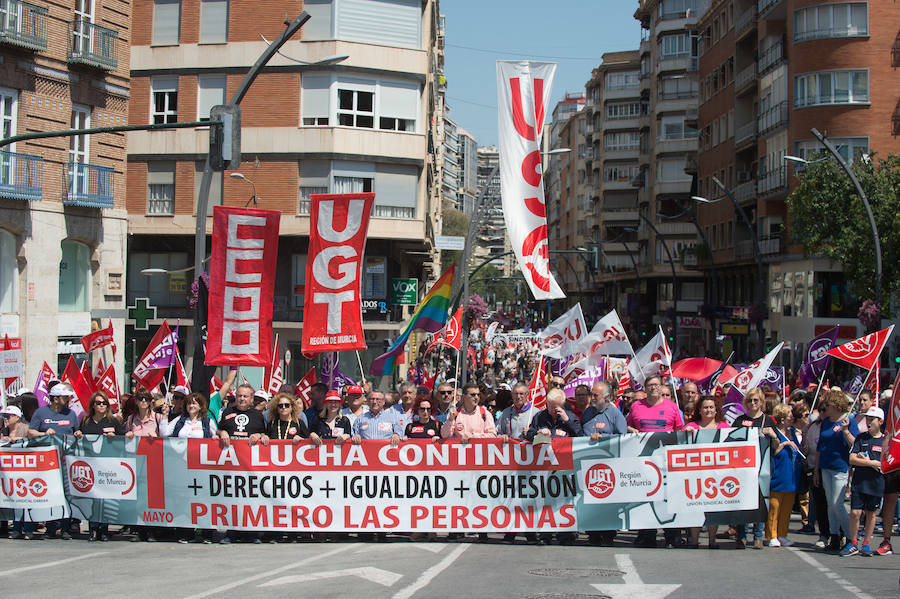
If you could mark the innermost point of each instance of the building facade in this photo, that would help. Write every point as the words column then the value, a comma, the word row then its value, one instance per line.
column 354, row 124
column 63, row 226
column 770, row 70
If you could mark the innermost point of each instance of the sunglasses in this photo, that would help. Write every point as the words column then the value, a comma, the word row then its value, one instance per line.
column 446, row 392
column 284, row 405
column 557, row 385
column 424, row 408
column 143, row 399
column 101, row 403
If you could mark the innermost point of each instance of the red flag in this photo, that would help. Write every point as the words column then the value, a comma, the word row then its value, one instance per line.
column 890, row 457
column 450, row 334
column 98, row 339
column 428, row 381
column 872, row 382
column 180, row 374
column 88, row 376
column 537, row 390
column 301, row 389
column 145, row 371
column 108, row 384
column 72, row 375
column 332, row 310
column 241, row 286
column 100, row 370
column 864, row 351
column 276, row 375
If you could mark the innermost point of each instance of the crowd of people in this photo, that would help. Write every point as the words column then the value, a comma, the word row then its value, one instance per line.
column 824, row 448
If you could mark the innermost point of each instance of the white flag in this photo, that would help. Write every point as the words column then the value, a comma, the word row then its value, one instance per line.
column 523, row 94
column 650, row 360
column 754, row 374
column 563, row 336
column 606, row 338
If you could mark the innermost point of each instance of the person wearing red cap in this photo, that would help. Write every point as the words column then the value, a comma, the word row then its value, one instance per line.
column 356, row 403
column 331, row 424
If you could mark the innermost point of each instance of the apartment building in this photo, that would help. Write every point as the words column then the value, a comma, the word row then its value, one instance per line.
column 770, row 70
column 359, row 121
column 63, row 227
column 667, row 155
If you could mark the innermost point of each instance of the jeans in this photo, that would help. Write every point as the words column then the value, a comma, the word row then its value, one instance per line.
column 835, row 484
column 757, row 531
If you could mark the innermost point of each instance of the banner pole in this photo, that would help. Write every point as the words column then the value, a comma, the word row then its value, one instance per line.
column 816, row 397
column 783, row 386
column 361, row 371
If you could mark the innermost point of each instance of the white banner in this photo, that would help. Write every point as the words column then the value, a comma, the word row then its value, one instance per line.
column 523, row 94
column 30, row 478
column 11, row 363
column 564, row 335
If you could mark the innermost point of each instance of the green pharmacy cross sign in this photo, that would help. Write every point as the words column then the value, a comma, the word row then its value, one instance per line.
column 404, row 292
column 141, row 313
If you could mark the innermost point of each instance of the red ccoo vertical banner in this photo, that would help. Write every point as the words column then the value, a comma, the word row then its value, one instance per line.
column 242, row 286
column 332, row 310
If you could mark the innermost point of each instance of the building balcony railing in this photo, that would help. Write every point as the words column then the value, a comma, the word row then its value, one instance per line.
column 93, row 45
column 773, row 181
column 21, row 176
column 745, row 133
column 764, row 6
column 745, row 78
column 770, row 244
column 772, row 57
column 88, row 185
column 744, row 249
column 773, row 118
column 745, row 21
column 23, row 25
column 746, row 192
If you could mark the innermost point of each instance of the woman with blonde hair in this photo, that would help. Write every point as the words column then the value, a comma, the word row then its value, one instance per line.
column 787, row 464
column 331, row 424
column 284, row 420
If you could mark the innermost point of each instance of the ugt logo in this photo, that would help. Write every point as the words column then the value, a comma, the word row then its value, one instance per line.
column 600, row 480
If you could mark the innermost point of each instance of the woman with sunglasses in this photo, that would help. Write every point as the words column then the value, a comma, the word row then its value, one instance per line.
column 99, row 421
column 144, row 422
column 423, row 426
column 284, row 420
column 331, row 424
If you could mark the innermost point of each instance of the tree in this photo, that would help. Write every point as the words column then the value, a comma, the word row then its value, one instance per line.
column 490, row 283
column 829, row 219
column 454, row 223
column 476, row 309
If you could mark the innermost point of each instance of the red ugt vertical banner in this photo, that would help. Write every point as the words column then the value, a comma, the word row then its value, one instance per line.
column 332, row 310
column 242, row 286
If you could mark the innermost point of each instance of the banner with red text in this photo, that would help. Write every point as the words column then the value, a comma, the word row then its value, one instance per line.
column 332, row 310
column 523, row 94
column 242, row 286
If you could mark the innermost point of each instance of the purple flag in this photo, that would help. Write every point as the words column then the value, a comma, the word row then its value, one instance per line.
column 817, row 360
column 40, row 390
column 418, row 373
column 773, row 379
column 707, row 386
column 164, row 356
column 558, row 365
column 855, row 386
column 331, row 374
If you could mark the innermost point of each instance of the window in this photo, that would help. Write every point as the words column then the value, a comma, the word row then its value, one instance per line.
column 166, row 21
column 162, row 290
column 622, row 140
column 671, row 170
column 383, row 22
column 210, row 92
column 314, row 178
column 672, row 46
column 374, row 283
column 850, row 148
column 8, row 110
column 621, row 173
column 396, row 186
column 672, row 9
column 677, row 87
column 74, row 277
column 81, row 33
column 625, row 80
column 163, row 100
column 298, row 279
column 214, row 21
column 673, row 127
column 847, row 19
column 160, row 187
column 215, row 188
column 623, row 110
column 319, row 26
column 831, row 87
column 79, row 147
column 9, row 272
column 386, row 104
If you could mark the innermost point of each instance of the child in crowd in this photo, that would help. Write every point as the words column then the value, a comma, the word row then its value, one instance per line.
column 867, row 486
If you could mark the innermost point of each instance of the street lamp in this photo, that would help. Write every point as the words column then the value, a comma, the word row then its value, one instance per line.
column 674, row 276
column 753, row 236
column 803, row 160
column 254, row 197
column 164, row 271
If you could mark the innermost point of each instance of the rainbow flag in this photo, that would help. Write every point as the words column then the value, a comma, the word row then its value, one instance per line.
column 430, row 316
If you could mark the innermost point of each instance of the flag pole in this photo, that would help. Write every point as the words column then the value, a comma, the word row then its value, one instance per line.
column 783, row 386
column 358, row 361
column 816, row 397
column 863, row 387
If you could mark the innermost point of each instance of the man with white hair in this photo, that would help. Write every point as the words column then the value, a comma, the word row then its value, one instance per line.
column 607, row 420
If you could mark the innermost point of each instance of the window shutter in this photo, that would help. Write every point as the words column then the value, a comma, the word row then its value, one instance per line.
column 315, row 96
column 166, row 21
column 384, row 22
column 400, row 100
column 213, row 21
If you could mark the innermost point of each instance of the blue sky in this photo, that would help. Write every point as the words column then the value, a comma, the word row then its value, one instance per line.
column 572, row 33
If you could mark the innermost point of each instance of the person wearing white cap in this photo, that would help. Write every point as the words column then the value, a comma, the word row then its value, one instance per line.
column 867, row 485
column 13, row 428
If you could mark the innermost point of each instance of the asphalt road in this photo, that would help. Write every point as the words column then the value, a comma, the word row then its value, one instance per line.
column 399, row 569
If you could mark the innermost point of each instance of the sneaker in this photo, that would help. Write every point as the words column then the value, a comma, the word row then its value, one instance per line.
column 866, row 551
column 849, row 550
column 885, row 548
column 820, row 543
column 785, row 542
column 225, row 541
column 29, row 537
column 183, row 541
column 758, row 544
column 774, row 543
column 739, row 544
column 151, row 538
column 65, row 536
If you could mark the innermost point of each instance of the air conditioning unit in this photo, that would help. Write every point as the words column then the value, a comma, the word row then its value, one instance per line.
column 743, row 176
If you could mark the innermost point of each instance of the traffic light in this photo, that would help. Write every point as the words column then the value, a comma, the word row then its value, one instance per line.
column 225, row 137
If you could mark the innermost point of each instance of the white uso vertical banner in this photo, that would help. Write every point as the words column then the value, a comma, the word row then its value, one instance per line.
column 523, row 93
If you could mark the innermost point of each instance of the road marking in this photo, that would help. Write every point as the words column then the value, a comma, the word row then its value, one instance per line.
column 381, row 547
column 632, row 585
column 429, row 574
column 268, row 573
column 385, row 578
column 831, row 574
column 51, row 564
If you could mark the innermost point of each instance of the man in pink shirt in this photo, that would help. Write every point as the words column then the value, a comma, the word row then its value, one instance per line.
column 473, row 421
column 654, row 414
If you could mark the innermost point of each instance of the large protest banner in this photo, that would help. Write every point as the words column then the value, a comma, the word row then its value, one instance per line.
column 636, row 481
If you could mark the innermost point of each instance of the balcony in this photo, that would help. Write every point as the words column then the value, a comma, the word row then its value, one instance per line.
column 619, row 92
column 619, row 217
column 774, row 181
column 21, row 176
column 772, row 57
column 744, row 250
column 770, row 244
column 746, row 192
column 621, row 153
column 745, row 79
column 23, row 25
column 773, row 118
column 94, row 46
column 676, row 101
column 745, row 134
column 621, row 123
column 675, row 146
column 677, row 63
column 676, row 229
column 88, row 185
column 745, row 22
column 672, row 187
column 768, row 6
column 620, row 247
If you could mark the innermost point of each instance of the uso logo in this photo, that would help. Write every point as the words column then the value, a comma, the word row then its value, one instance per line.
column 600, row 481
column 81, row 475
